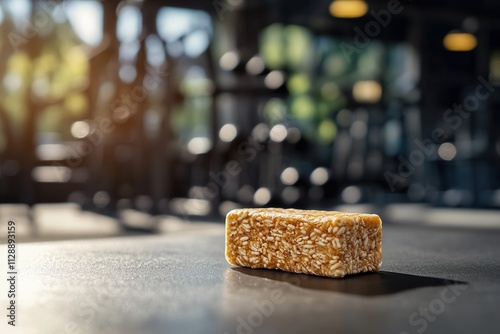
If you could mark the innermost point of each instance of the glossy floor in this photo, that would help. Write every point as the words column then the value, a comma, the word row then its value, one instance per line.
column 434, row 280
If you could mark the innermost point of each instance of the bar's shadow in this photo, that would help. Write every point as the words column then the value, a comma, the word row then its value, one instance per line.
column 370, row 284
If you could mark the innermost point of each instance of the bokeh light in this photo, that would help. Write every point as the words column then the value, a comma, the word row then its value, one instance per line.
column 289, row 176
column 447, row 151
column 262, row 196
column 319, row 176
column 228, row 133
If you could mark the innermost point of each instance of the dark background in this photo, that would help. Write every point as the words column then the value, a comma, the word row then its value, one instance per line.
column 192, row 108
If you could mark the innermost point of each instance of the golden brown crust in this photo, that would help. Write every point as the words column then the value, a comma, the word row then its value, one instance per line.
column 324, row 243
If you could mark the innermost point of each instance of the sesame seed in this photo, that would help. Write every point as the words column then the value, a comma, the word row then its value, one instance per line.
column 335, row 266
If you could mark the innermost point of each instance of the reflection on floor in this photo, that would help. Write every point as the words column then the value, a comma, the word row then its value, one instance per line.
column 68, row 221
column 426, row 215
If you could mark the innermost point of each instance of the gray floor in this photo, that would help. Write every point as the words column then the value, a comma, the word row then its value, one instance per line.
column 67, row 222
column 434, row 280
